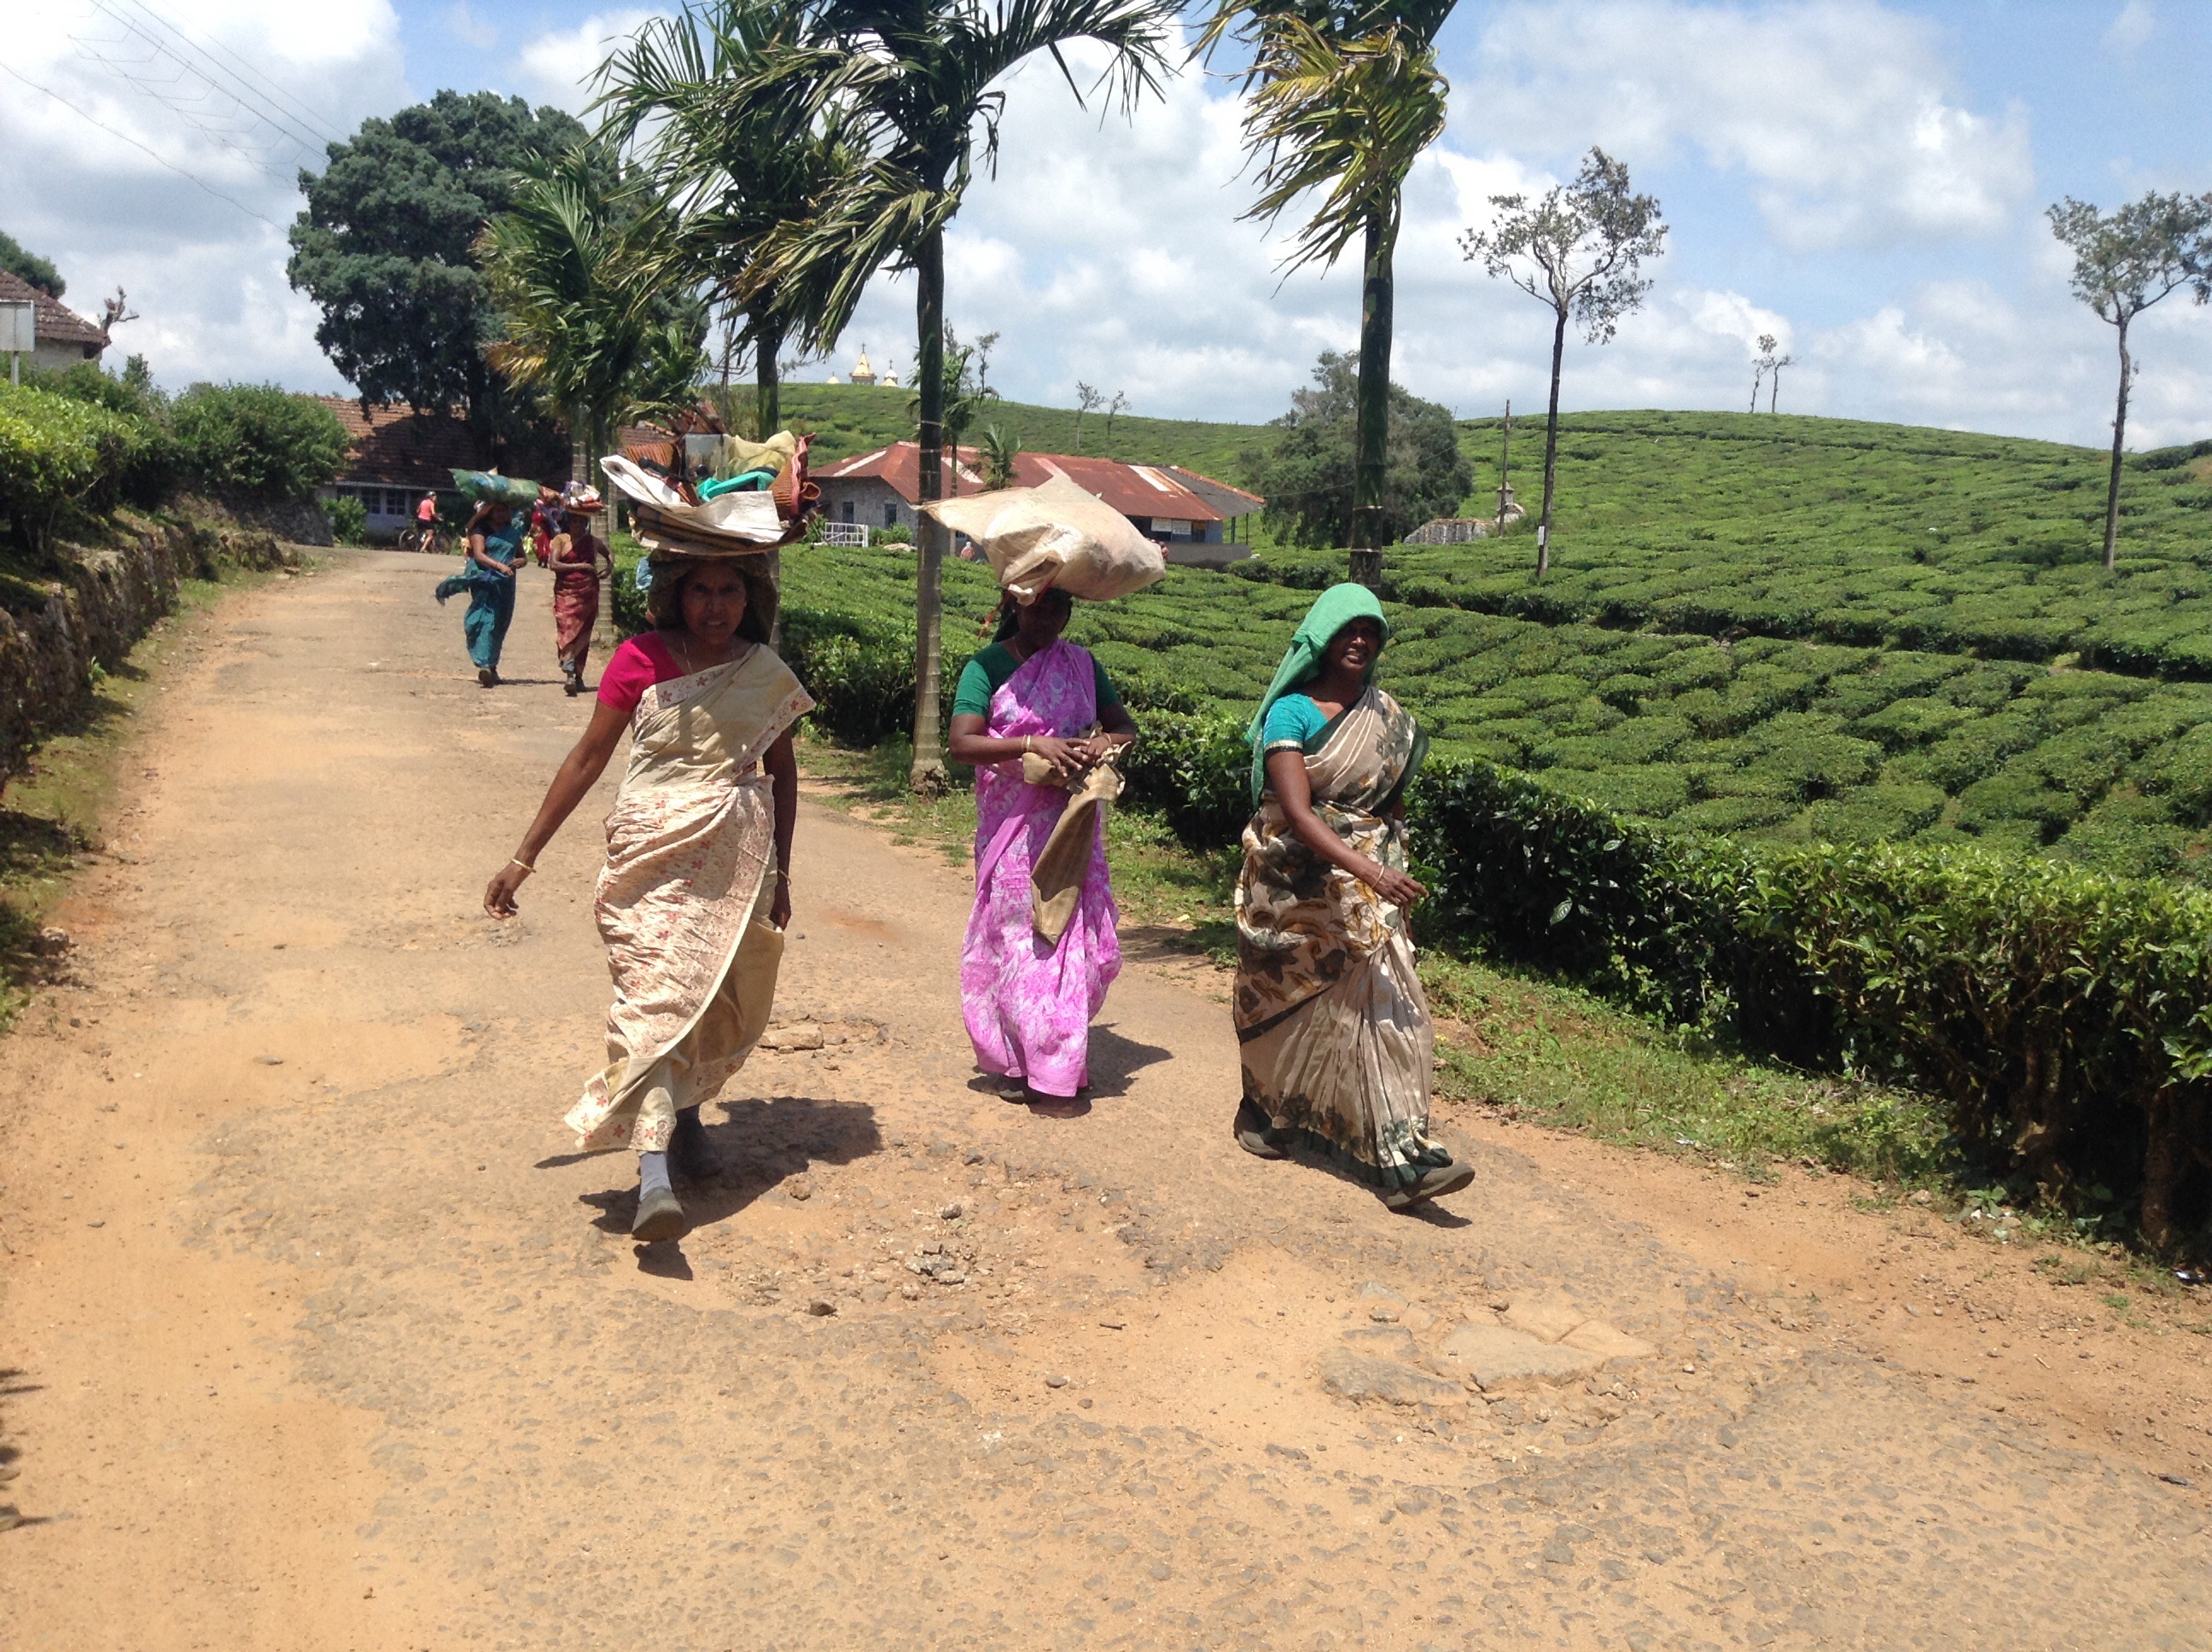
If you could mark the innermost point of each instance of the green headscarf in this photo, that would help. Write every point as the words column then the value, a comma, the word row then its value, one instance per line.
column 1336, row 608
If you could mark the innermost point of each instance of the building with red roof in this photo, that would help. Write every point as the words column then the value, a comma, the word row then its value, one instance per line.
column 395, row 455
column 1192, row 515
column 64, row 338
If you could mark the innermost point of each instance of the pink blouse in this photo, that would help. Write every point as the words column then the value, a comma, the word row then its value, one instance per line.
column 640, row 663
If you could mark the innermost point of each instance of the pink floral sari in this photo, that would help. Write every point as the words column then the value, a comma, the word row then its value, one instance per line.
column 1028, row 1003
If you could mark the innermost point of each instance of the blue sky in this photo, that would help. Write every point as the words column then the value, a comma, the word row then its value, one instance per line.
column 1866, row 181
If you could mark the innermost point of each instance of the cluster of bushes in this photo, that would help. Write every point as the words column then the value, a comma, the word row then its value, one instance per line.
column 86, row 441
column 2064, row 1015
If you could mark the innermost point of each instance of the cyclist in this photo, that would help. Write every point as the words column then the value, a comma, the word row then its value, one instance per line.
column 426, row 521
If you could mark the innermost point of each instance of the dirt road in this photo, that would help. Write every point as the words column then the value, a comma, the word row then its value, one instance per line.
column 319, row 1335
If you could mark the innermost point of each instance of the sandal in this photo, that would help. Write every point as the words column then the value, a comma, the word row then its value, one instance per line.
column 1434, row 1182
column 689, row 1154
column 1251, row 1128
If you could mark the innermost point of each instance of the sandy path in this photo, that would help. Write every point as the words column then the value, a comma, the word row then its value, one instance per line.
column 320, row 1337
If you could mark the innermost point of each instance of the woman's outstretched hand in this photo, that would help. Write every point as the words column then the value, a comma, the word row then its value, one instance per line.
column 499, row 894
column 1393, row 886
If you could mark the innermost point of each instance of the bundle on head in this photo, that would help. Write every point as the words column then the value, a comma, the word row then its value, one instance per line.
column 664, row 597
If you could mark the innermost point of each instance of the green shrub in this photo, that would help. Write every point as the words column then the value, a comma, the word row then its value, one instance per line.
column 58, row 454
column 349, row 519
column 898, row 534
column 257, row 442
column 2064, row 1015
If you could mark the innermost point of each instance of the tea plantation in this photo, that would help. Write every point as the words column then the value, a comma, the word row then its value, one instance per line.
column 1781, row 628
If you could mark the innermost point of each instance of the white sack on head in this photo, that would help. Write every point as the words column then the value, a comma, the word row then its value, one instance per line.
column 737, row 522
column 1055, row 536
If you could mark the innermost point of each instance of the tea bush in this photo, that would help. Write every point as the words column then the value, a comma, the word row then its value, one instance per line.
column 59, row 454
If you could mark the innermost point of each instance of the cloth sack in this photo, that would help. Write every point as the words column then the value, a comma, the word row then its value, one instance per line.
column 736, row 523
column 498, row 489
column 1056, row 875
column 1055, row 537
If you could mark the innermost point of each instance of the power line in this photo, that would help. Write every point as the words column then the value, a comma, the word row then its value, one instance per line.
column 269, row 97
column 141, row 147
column 260, row 156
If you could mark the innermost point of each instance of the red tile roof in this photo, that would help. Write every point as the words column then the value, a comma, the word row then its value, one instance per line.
column 394, row 445
column 56, row 321
column 1146, row 491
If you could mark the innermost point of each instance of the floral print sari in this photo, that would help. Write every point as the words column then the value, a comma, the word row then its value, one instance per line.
column 1333, row 1028
column 1028, row 1002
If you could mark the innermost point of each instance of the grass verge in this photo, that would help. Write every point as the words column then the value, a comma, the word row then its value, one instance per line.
column 51, row 811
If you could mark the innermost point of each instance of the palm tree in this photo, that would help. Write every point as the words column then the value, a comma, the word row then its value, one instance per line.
column 917, row 82
column 734, row 161
column 585, row 328
column 1345, row 96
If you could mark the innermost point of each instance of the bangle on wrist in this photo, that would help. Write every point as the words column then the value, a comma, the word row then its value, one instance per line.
column 517, row 861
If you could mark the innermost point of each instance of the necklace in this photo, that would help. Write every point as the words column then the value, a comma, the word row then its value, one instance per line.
column 690, row 666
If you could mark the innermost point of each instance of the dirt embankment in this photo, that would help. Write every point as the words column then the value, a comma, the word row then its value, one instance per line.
column 95, row 599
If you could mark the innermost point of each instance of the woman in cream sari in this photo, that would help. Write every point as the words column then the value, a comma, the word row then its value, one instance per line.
column 696, row 893
column 1333, row 1028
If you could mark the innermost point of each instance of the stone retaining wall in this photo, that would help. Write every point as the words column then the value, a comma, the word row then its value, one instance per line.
column 94, row 600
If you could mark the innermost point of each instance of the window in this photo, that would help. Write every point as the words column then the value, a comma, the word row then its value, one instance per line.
column 890, row 515
column 848, row 510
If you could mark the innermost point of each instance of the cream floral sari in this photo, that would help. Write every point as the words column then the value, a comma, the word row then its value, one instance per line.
column 1335, row 1036
column 683, row 902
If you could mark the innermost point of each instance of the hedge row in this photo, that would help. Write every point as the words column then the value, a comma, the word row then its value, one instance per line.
column 2065, row 1015
column 57, row 453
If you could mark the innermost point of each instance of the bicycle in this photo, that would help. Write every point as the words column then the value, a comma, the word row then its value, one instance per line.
column 430, row 541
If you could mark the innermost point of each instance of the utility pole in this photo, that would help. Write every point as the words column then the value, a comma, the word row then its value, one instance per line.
column 1505, row 468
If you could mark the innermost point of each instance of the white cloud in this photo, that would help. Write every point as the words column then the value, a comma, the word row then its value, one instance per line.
column 463, row 22
column 1840, row 110
column 96, row 175
column 557, row 67
column 2132, row 29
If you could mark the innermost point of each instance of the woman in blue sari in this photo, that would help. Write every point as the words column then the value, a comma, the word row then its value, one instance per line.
column 493, row 547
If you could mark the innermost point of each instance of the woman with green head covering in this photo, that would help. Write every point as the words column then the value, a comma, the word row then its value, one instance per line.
column 1333, row 1028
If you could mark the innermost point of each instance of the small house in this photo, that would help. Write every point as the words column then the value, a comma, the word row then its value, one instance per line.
column 1194, row 517
column 64, row 338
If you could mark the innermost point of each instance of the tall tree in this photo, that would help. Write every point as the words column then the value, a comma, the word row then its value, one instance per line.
column 1760, row 365
column 2123, row 265
column 17, row 260
column 1087, row 400
column 1774, row 381
column 918, row 80
column 387, row 248
column 1578, row 249
column 1307, row 478
column 1344, row 96
column 585, row 326
column 734, row 161
column 967, row 371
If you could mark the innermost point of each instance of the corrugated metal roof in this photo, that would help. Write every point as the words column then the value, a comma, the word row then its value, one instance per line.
column 392, row 444
column 56, row 320
column 1142, row 491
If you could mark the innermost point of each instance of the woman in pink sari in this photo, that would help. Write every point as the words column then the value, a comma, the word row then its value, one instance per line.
column 1028, row 1001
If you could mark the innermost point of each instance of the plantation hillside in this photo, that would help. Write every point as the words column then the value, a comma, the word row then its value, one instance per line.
column 850, row 419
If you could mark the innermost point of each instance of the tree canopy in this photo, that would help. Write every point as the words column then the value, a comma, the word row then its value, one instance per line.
column 17, row 260
column 1308, row 478
column 385, row 247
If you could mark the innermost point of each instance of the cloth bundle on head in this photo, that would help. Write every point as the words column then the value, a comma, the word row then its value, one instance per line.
column 1334, row 610
column 736, row 523
column 494, row 488
column 1055, row 536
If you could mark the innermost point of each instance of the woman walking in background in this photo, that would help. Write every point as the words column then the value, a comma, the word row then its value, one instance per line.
column 696, row 894
column 493, row 547
column 1028, row 1001
column 1333, row 1028
column 579, row 560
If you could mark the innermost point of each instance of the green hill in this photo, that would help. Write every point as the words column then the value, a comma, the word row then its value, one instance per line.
column 1773, row 627
column 850, row 419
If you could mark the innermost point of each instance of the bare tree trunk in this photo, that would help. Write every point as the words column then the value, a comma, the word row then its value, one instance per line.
column 2119, row 435
column 1551, row 446
column 1371, row 442
column 768, row 380
column 927, row 771
column 1757, row 374
column 1774, row 389
column 580, row 446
